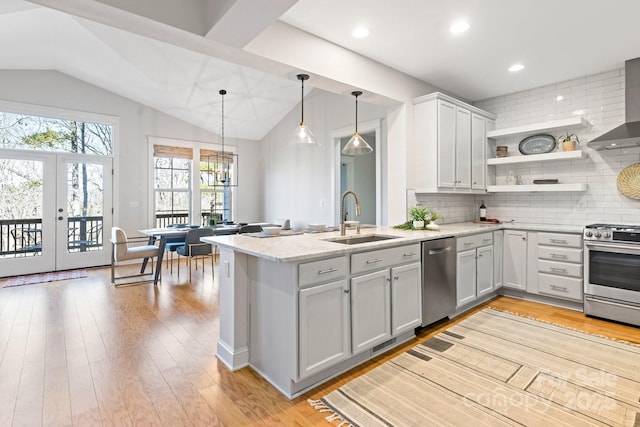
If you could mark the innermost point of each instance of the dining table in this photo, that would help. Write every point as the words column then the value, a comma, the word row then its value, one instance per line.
column 163, row 235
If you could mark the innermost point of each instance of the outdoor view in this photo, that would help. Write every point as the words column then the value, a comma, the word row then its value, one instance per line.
column 21, row 181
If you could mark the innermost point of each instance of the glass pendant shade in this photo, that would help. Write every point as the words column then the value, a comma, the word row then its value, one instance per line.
column 302, row 134
column 357, row 144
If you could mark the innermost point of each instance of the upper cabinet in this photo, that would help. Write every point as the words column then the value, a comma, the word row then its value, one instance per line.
column 450, row 141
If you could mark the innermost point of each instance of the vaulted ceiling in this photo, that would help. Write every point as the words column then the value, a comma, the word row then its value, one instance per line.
column 175, row 56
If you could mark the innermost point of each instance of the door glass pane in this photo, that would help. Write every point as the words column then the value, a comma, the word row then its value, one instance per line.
column 216, row 206
column 21, row 192
column 84, row 207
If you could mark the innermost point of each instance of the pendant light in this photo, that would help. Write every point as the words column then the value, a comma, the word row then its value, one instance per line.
column 357, row 144
column 225, row 164
column 303, row 134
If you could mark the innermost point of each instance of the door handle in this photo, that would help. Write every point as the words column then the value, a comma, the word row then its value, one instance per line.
column 60, row 218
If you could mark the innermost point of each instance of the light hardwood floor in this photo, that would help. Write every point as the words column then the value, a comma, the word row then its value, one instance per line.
column 80, row 352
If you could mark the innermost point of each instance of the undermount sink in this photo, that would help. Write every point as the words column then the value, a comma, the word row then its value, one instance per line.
column 367, row 238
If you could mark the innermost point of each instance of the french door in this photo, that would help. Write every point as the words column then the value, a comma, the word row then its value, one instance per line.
column 56, row 211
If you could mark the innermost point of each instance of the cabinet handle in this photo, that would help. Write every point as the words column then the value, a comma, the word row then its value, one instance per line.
column 558, row 270
column 559, row 288
column 396, row 277
column 328, row 270
column 410, row 254
column 373, row 261
column 346, row 291
column 524, row 238
column 486, row 240
column 560, row 256
column 560, row 241
column 468, row 243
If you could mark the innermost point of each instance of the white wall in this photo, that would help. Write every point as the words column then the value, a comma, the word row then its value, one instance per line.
column 299, row 181
column 53, row 89
column 601, row 98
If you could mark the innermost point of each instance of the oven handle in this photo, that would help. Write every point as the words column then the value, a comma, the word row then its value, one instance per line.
column 610, row 247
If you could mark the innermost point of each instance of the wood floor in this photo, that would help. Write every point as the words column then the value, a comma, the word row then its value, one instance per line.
column 80, row 352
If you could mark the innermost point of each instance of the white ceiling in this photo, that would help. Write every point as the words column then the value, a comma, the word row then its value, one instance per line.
column 174, row 69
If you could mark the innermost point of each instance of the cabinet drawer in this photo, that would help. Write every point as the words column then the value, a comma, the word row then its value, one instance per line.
column 322, row 271
column 566, row 287
column 474, row 241
column 383, row 258
column 560, row 268
column 560, row 254
column 559, row 239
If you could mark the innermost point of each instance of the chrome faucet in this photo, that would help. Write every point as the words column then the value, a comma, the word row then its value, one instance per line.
column 342, row 224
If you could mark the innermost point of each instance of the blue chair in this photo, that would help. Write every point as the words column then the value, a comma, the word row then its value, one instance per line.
column 194, row 248
column 173, row 244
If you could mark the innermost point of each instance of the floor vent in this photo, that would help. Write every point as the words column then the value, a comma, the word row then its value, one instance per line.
column 384, row 345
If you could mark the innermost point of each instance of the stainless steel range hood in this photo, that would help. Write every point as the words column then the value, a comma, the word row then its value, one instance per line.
column 627, row 134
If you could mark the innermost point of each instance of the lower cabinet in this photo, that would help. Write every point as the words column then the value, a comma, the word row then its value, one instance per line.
column 406, row 298
column 475, row 268
column 515, row 260
column 324, row 326
column 370, row 310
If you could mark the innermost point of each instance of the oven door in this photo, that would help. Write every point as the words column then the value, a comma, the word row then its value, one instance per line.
column 612, row 271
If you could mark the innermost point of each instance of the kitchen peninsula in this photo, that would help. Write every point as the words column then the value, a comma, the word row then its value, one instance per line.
column 301, row 309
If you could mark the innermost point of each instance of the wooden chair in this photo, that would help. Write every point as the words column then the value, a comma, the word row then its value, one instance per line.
column 125, row 249
column 194, row 248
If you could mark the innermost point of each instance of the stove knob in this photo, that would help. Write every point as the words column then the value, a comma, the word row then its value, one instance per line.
column 588, row 233
column 606, row 235
column 597, row 234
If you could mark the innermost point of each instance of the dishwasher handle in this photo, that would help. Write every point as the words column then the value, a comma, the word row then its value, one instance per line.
column 438, row 251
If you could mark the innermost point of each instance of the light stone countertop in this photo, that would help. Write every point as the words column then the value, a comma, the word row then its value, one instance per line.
column 309, row 246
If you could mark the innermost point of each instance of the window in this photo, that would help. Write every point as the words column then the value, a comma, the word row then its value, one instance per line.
column 30, row 132
column 172, row 190
column 215, row 194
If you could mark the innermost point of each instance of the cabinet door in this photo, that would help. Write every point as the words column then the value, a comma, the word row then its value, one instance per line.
column 463, row 148
column 370, row 310
column 446, row 144
column 498, row 243
column 466, row 277
column 515, row 259
column 484, row 270
column 478, row 156
column 406, row 298
column 323, row 327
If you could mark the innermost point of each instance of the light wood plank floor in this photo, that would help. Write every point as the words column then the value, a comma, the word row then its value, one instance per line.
column 80, row 352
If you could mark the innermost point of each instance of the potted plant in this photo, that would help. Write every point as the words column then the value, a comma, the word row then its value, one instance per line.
column 433, row 216
column 568, row 141
column 419, row 215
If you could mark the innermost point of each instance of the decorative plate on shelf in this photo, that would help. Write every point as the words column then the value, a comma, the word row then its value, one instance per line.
column 629, row 181
column 537, row 144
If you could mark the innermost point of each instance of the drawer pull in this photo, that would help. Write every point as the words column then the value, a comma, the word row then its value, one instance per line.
column 468, row 243
column 559, row 241
column 558, row 270
column 328, row 270
column 410, row 254
column 559, row 288
column 373, row 261
column 559, row 256
column 486, row 240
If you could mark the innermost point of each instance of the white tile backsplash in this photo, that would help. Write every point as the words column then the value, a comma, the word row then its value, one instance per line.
column 601, row 97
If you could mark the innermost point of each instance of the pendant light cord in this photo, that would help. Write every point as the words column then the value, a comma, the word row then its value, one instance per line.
column 302, row 103
column 356, row 93
column 223, row 93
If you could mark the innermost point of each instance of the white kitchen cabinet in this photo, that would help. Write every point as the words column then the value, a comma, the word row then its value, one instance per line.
column 406, row 298
column 498, row 244
column 450, row 142
column 478, row 152
column 475, row 267
column 560, row 265
column 370, row 310
column 515, row 259
column 324, row 326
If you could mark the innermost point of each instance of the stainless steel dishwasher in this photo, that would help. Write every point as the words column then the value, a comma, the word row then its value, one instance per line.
column 438, row 279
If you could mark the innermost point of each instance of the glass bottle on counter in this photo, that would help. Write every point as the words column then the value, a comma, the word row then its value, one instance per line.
column 483, row 211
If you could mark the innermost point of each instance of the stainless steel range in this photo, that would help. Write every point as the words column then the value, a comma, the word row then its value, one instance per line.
column 612, row 272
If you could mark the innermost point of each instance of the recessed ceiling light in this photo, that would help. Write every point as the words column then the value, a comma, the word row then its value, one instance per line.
column 516, row 67
column 458, row 27
column 559, row 98
column 360, row 32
